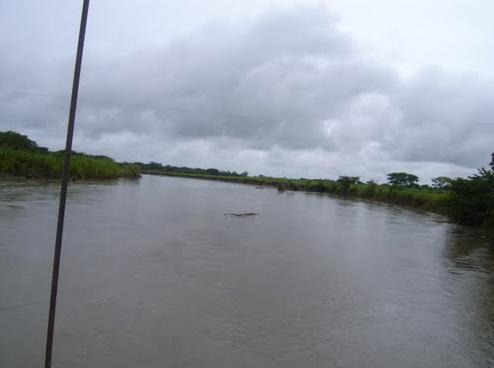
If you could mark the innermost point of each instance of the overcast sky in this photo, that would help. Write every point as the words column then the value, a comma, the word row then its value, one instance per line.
column 285, row 88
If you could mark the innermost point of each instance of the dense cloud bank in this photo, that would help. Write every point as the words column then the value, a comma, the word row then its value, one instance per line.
column 286, row 94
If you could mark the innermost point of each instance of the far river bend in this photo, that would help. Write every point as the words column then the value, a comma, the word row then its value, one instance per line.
column 155, row 275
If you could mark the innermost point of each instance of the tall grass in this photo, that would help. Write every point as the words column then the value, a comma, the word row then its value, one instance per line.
column 50, row 165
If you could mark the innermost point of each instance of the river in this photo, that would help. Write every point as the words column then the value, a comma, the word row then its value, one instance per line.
column 154, row 274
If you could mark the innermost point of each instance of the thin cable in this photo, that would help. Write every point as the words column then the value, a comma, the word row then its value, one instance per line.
column 63, row 190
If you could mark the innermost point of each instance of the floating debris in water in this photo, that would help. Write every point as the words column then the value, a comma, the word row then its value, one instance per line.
column 245, row 214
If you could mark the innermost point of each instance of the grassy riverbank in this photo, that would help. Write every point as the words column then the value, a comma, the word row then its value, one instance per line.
column 20, row 156
column 431, row 200
column 50, row 165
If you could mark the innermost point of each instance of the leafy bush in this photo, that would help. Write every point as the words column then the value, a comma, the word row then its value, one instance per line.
column 472, row 199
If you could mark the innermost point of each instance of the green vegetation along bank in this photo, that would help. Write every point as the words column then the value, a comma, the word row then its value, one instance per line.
column 21, row 156
column 431, row 199
column 468, row 201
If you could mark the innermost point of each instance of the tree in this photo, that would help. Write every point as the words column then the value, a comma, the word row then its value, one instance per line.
column 347, row 181
column 403, row 179
column 472, row 200
column 212, row 171
column 154, row 166
column 10, row 139
column 441, row 182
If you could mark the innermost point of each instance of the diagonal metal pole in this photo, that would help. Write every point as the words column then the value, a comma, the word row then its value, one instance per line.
column 63, row 190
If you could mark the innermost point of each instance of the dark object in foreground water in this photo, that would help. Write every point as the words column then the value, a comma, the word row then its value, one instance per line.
column 246, row 214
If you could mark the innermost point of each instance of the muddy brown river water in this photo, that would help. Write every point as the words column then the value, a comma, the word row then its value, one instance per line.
column 155, row 275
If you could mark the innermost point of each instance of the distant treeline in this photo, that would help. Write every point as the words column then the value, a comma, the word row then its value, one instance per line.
column 22, row 156
column 156, row 168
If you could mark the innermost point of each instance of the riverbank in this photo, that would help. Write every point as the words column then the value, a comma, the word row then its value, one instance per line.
column 34, row 164
column 468, row 201
column 430, row 200
column 433, row 200
column 23, row 157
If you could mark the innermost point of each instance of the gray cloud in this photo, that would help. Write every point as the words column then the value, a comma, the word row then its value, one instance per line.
column 286, row 94
column 446, row 118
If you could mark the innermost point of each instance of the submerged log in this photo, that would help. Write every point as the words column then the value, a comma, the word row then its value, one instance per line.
column 245, row 214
